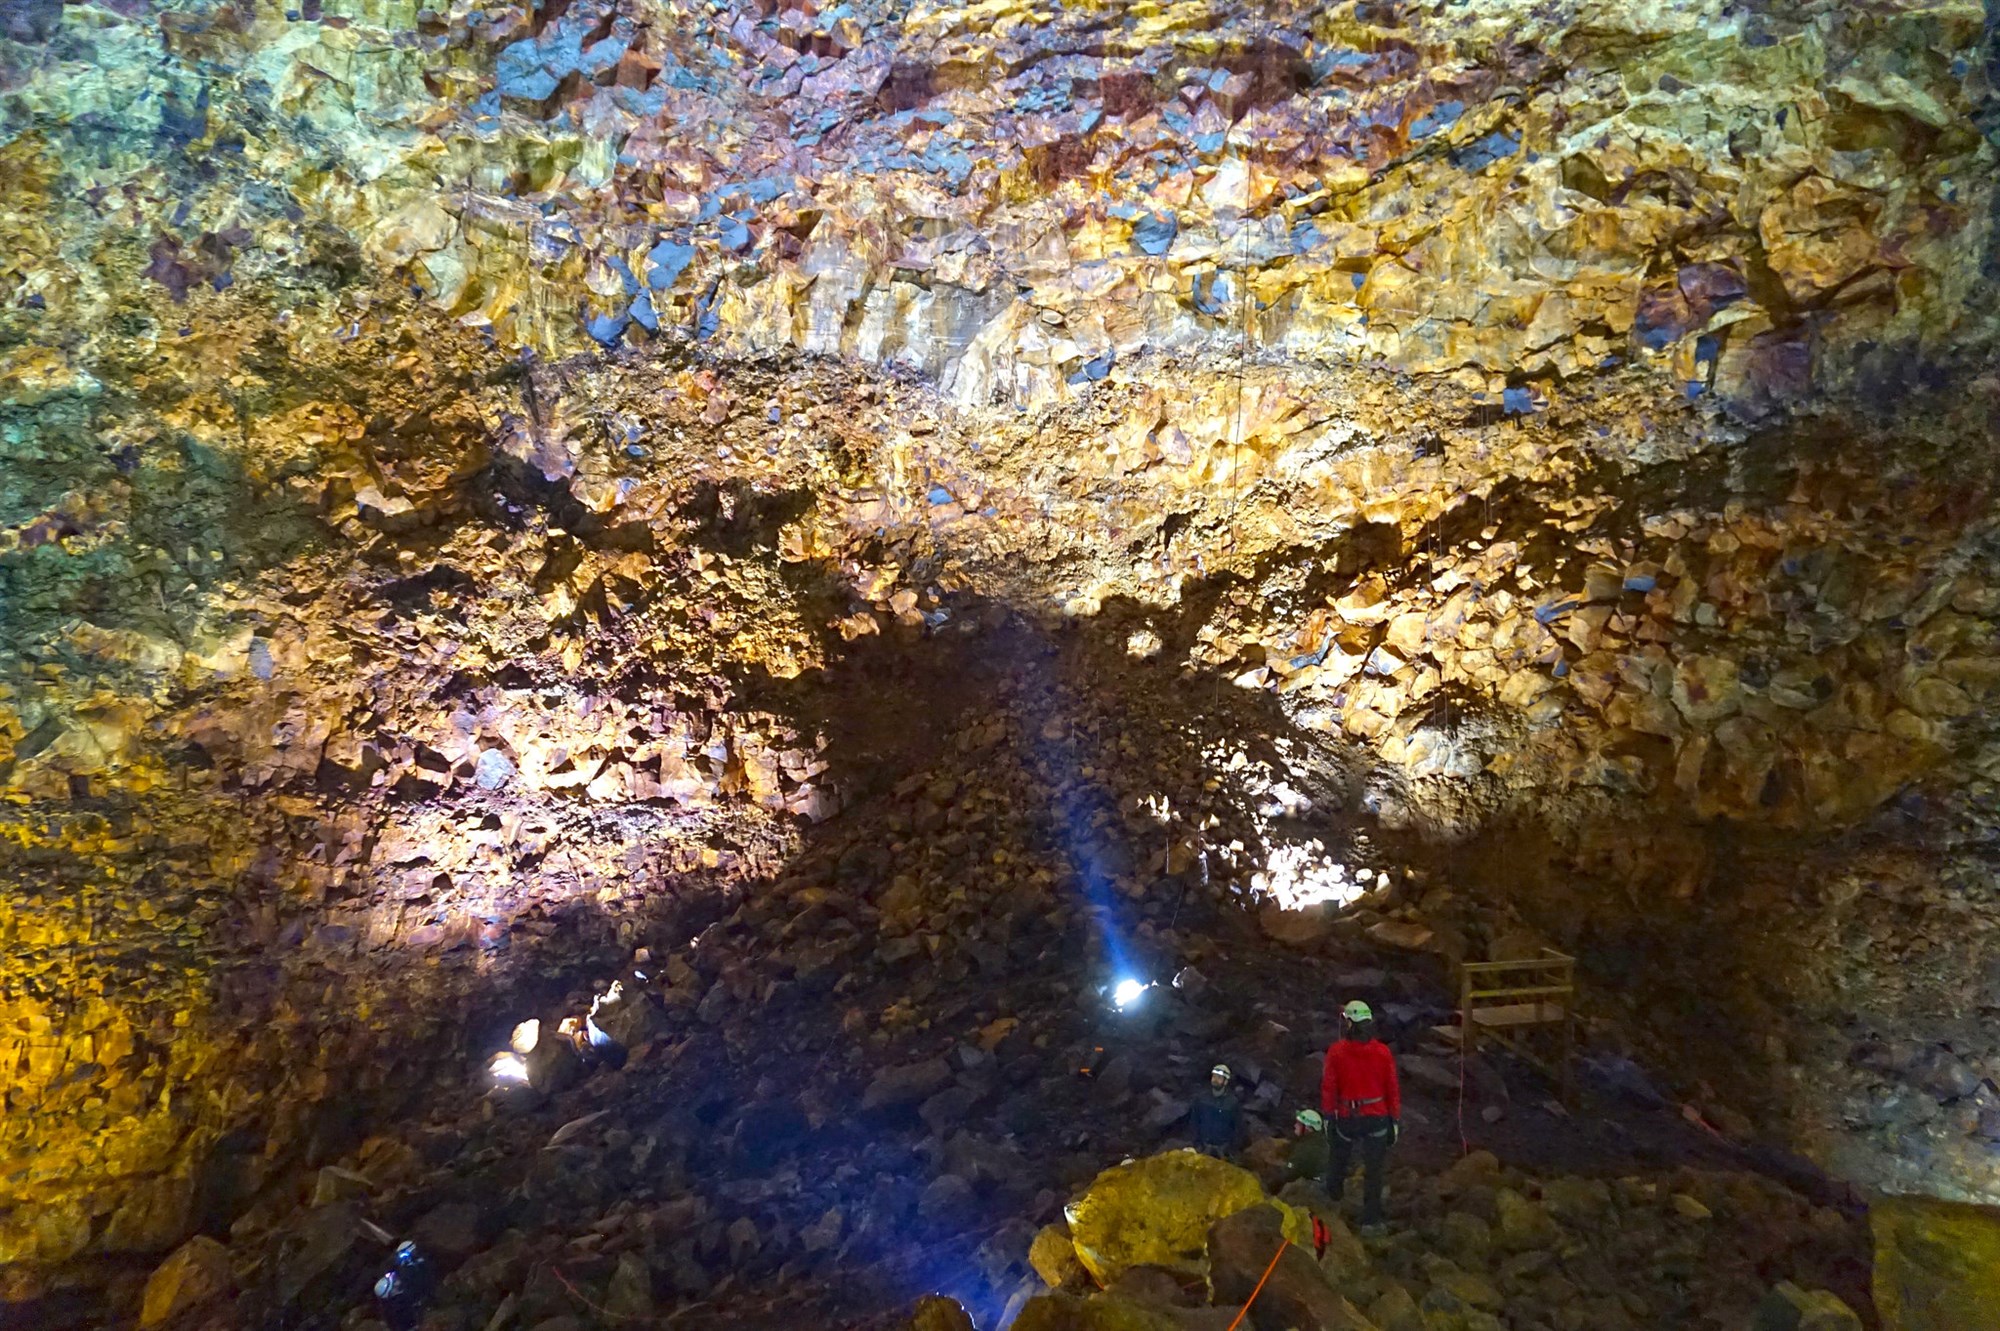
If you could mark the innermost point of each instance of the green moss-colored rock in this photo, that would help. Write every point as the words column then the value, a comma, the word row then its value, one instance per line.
column 1157, row 1212
column 1937, row 1264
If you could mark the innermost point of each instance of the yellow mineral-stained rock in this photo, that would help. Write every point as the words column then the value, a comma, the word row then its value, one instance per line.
column 198, row 1271
column 1157, row 1212
column 1937, row 1264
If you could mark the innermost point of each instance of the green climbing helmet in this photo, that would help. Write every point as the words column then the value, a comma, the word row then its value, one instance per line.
column 1357, row 1011
column 1310, row 1120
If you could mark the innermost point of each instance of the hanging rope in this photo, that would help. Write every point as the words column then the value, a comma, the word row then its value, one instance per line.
column 1242, row 363
column 1244, row 1311
column 1242, row 360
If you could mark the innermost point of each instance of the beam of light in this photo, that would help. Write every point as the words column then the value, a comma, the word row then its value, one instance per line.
column 1128, row 992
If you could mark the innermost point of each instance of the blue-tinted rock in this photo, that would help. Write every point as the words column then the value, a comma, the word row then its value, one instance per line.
column 1482, row 153
column 1095, row 368
column 493, row 770
column 666, row 262
column 1154, row 234
column 1442, row 116
column 607, row 328
column 601, row 57
column 32, row 21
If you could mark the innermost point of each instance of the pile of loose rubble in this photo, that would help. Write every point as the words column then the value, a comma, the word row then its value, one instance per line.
column 879, row 1073
column 1181, row 1241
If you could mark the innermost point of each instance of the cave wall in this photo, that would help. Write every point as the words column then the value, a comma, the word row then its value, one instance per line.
column 439, row 447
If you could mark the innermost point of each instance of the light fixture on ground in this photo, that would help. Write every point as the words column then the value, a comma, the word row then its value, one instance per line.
column 1128, row 992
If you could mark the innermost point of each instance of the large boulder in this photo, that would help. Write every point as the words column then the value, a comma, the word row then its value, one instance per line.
column 629, row 1295
column 1523, row 1224
column 548, row 1058
column 1158, row 1211
column 1054, row 1258
column 1937, row 1264
column 1789, row 1308
column 935, row 1312
column 454, row 1229
column 1061, row 1311
column 623, row 1014
column 1295, row 1294
column 910, row 1084
column 30, row 21
column 1306, row 927
column 1345, row 1259
column 198, row 1272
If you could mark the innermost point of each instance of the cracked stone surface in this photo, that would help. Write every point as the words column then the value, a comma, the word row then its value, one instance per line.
column 484, row 487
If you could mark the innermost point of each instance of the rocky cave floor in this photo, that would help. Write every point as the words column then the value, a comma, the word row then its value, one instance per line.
column 864, row 1080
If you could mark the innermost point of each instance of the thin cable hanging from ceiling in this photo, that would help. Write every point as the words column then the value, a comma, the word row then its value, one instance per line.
column 1242, row 358
column 1235, row 498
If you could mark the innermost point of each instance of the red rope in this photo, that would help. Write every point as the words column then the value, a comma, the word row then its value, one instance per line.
column 1693, row 1115
column 603, row 1311
column 1244, row 1311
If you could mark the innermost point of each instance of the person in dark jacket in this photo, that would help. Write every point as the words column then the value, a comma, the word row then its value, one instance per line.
column 405, row 1288
column 1216, row 1117
column 1363, row 1104
column 1308, row 1155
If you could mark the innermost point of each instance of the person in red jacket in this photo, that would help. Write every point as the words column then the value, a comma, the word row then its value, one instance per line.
column 1363, row 1105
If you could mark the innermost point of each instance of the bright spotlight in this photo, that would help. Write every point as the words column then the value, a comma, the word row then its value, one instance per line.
column 1128, row 992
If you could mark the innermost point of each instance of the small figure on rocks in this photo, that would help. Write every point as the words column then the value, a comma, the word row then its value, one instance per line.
column 1216, row 1117
column 405, row 1288
column 1308, row 1157
column 1363, row 1104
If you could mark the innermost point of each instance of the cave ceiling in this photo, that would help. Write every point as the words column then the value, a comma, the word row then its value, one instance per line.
column 461, row 465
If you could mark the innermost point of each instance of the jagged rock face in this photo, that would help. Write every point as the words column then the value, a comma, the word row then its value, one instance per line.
column 443, row 450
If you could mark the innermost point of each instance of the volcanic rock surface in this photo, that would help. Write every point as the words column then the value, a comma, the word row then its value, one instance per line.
column 890, row 509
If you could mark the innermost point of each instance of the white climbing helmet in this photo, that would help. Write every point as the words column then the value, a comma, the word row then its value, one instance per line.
column 1357, row 1011
column 1219, row 1070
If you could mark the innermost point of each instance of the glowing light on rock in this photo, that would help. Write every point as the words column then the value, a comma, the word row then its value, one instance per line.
column 1128, row 992
column 508, row 1068
column 526, row 1036
column 1301, row 875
